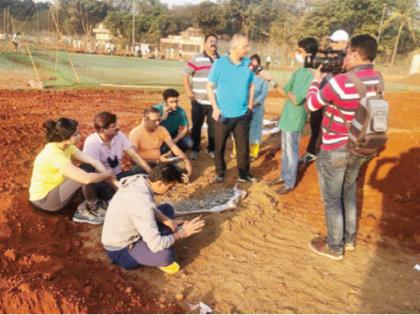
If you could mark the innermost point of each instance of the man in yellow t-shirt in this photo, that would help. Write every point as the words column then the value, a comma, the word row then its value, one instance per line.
column 149, row 136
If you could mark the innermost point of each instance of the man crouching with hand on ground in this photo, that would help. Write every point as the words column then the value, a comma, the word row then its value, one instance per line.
column 138, row 232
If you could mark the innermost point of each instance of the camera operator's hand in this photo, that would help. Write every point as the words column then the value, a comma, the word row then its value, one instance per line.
column 318, row 75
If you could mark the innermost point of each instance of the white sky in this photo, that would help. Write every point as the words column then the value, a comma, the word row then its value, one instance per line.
column 169, row 2
column 175, row 2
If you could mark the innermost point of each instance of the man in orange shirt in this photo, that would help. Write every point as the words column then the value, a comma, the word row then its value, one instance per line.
column 149, row 136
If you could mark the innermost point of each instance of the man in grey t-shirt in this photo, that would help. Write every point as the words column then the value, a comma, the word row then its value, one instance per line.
column 138, row 232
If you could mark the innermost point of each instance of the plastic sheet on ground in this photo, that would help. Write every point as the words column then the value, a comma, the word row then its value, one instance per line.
column 232, row 203
column 267, row 122
column 204, row 308
column 271, row 131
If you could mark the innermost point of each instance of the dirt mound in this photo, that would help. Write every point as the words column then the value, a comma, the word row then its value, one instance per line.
column 253, row 259
column 44, row 268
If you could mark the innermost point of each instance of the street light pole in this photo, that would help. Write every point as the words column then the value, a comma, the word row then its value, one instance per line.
column 133, row 30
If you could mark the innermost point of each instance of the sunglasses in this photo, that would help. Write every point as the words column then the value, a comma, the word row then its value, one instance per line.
column 113, row 162
column 158, row 120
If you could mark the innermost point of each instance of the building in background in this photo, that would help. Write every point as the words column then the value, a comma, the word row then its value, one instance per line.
column 102, row 35
column 182, row 46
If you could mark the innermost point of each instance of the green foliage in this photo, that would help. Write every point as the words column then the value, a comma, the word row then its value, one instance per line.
column 279, row 22
column 210, row 17
column 81, row 16
column 151, row 21
column 251, row 17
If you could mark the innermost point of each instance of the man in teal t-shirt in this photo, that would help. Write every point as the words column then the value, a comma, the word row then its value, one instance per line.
column 293, row 118
column 175, row 120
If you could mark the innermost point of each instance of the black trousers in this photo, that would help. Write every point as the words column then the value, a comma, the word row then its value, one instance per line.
column 198, row 113
column 240, row 128
column 104, row 190
column 316, row 127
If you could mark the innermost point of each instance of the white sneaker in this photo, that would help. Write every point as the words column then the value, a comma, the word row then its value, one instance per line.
column 101, row 208
column 86, row 216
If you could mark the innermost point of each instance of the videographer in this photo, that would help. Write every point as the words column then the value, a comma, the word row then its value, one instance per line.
column 337, row 167
column 338, row 41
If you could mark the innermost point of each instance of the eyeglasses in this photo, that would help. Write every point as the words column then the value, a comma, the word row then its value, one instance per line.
column 158, row 120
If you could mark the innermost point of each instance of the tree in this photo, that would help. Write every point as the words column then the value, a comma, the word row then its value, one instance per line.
column 210, row 18
column 151, row 21
column 251, row 17
column 404, row 15
column 118, row 22
column 354, row 16
column 81, row 16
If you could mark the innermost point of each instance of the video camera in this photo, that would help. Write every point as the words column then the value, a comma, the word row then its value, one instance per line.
column 331, row 61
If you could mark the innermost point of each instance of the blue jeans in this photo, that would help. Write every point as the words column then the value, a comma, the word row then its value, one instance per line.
column 338, row 170
column 255, row 129
column 184, row 144
column 140, row 254
column 289, row 157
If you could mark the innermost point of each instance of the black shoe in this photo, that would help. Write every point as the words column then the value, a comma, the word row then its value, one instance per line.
column 219, row 179
column 248, row 178
column 283, row 190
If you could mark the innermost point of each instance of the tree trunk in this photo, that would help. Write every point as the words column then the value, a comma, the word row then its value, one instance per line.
column 397, row 41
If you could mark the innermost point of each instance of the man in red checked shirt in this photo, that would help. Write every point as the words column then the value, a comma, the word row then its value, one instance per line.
column 337, row 167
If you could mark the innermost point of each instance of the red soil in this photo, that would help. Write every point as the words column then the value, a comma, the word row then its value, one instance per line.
column 46, row 267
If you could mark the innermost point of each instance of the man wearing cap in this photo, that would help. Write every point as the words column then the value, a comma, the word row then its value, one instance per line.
column 337, row 41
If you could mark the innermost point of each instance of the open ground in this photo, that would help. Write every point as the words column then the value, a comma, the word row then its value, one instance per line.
column 252, row 259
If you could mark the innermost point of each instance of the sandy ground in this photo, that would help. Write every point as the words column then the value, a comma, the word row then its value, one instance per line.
column 252, row 259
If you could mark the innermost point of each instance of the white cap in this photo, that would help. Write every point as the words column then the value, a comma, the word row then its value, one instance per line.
column 340, row 36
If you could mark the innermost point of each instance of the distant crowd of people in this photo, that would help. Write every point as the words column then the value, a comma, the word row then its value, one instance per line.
column 227, row 92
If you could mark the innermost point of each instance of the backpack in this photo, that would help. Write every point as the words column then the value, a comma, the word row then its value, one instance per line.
column 367, row 130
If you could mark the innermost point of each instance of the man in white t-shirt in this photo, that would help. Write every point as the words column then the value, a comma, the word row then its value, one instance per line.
column 109, row 145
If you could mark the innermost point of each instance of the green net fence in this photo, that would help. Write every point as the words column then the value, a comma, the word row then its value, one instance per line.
column 102, row 70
